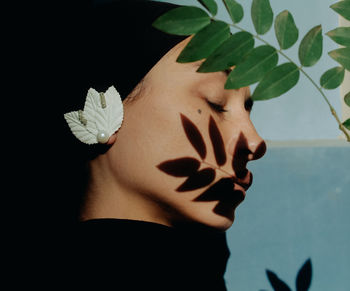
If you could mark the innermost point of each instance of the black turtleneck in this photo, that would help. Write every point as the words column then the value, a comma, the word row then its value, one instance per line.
column 138, row 255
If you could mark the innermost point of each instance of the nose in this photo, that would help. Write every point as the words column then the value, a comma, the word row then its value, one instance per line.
column 246, row 144
column 255, row 144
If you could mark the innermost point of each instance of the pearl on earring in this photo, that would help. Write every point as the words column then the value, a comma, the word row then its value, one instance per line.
column 102, row 136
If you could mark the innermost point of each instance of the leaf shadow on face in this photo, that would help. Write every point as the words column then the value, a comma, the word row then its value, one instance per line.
column 217, row 142
column 196, row 139
column 224, row 192
column 194, row 136
column 198, row 180
column 241, row 155
column 182, row 167
column 188, row 167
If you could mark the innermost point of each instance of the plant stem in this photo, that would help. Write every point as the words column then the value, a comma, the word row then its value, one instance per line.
column 334, row 113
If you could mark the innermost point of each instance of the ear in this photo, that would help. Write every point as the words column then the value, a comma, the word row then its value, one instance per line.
column 112, row 139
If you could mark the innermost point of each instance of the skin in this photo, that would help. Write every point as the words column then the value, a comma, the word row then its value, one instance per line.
column 125, row 181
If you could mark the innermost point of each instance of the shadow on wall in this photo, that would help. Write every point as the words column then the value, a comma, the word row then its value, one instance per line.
column 302, row 281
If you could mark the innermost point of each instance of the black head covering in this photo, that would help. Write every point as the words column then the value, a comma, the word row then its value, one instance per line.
column 107, row 43
column 115, row 44
column 96, row 45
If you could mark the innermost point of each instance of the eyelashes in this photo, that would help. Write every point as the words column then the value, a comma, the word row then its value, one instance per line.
column 216, row 107
column 248, row 105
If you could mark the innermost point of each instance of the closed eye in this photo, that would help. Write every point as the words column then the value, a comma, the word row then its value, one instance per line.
column 216, row 107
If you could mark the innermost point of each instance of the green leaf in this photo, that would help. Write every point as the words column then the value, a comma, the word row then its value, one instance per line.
column 235, row 10
column 333, row 78
column 342, row 8
column 229, row 54
column 185, row 20
column 310, row 49
column 256, row 64
column 347, row 99
column 262, row 16
column 347, row 124
column 205, row 42
column 210, row 5
column 340, row 35
column 342, row 56
column 286, row 31
column 277, row 82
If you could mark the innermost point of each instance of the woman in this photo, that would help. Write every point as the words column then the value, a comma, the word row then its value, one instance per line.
column 162, row 191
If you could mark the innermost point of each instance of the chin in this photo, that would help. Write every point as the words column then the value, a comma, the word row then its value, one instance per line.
column 220, row 223
column 213, row 216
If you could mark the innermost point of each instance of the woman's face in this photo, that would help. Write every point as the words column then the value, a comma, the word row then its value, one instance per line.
column 184, row 145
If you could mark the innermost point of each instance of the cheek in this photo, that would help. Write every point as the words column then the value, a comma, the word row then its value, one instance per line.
column 151, row 133
column 160, row 125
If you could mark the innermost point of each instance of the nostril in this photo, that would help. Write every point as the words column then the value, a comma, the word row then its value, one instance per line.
column 245, row 152
column 260, row 151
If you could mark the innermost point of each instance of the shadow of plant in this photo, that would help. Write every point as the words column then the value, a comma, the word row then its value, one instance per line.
column 222, row 190
column 188, row 166
column 302, row 281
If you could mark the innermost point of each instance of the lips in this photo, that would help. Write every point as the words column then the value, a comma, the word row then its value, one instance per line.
column 246, row 182
column 227, row 190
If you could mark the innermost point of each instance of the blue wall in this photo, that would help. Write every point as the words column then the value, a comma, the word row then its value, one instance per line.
column 297, row 208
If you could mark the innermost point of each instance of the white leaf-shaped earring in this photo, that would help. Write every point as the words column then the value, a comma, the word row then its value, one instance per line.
column 102, row 116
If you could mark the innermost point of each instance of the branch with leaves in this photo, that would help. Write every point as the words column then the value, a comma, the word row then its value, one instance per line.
column 214, row 42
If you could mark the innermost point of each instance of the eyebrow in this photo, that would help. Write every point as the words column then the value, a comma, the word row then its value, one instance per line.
column 249, row 102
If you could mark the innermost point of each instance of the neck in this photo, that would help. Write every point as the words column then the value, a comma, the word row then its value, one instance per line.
column 106, row 197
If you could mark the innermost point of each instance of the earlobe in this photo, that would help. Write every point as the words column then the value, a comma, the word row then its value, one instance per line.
column 112, row 139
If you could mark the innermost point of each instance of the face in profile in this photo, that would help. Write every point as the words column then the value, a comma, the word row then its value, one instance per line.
column 181, row 154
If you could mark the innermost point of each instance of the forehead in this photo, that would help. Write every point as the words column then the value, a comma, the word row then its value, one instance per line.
column 193, row 67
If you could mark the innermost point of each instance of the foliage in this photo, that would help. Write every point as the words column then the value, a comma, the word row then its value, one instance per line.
column 222, row 49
